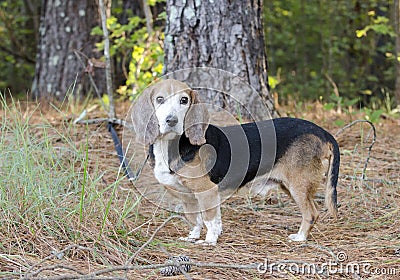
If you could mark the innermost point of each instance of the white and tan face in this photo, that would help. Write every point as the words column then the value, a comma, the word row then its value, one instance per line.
column 170, row 110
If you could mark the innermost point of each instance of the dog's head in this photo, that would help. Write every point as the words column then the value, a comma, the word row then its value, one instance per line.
column 168, row 109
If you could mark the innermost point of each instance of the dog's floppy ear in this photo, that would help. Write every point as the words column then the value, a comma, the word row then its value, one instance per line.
column 196, row 120
column 144, row 119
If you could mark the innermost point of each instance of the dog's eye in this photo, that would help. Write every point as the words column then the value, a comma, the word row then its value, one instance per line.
column 184, row 100
column 160, row 99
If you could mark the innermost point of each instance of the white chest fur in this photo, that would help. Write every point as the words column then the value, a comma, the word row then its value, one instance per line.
column 162, row 171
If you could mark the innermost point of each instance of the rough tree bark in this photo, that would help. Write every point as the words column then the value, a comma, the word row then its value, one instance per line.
column 224, row 34
column 65, row 26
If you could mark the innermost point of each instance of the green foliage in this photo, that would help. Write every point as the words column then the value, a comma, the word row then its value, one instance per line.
column 132, row 42
column 379, row 25
column 340, row 102
column 17, row 44
column 373, row 115
column 350, row 41
column 145, row 65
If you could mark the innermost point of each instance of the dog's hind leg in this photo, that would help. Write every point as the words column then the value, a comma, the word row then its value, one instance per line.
column 301, row 171
column 304, row 198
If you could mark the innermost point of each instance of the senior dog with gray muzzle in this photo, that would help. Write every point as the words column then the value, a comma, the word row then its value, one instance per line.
column 195, row 160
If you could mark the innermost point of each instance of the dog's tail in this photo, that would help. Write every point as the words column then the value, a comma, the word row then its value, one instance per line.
column 332, row 178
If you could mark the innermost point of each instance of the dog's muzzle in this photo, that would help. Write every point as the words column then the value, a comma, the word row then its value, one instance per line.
column 171, row 120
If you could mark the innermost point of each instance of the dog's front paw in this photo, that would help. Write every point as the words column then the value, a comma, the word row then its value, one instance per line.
column 206, row 243
column 298, row 237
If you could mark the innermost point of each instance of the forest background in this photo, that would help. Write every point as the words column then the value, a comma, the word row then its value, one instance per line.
column 340, row 52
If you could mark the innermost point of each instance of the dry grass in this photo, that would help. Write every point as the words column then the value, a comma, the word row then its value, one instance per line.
column 115, row 222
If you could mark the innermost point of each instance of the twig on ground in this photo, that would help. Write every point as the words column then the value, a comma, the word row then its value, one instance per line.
column 9, row 258
column 382, row 181
column 53, row 255
column 54, row 267
column 96, row 274
column 101, row 120
column 153, row 235
column 175, row 263
column 127, row 268
column 319, row 247
column 76, row 277
column 363, row 176
column 279, row 266
column 259, row 267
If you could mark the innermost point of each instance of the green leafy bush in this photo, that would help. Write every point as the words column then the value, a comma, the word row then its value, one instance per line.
column 132, row 42
column 351, row 42
column 17, row 44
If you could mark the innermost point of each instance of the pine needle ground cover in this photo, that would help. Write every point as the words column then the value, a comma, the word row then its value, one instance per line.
column 67, row 212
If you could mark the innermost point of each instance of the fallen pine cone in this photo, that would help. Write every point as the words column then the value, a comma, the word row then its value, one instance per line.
column 172, row 269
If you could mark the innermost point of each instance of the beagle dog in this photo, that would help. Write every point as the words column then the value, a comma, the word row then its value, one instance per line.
column 196, row 161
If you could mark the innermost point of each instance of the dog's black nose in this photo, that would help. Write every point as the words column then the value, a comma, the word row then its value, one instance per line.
column 171, row 120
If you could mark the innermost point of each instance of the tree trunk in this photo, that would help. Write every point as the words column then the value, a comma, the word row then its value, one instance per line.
column 131, row 8
column 226, row 35
column 65, row 27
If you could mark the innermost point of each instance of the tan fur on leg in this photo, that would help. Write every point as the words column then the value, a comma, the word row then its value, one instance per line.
column 209, row 203
column 206, row 194
column 309, row 213
column 192, row 213
column 301, row 171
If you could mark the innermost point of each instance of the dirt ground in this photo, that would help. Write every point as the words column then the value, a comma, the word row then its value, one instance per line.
column 364, row 243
